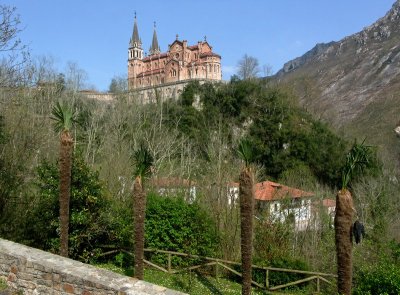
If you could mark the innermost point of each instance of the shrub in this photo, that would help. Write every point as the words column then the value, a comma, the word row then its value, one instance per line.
column 279, row 278
column 86, row 203
column 173, row 224
column 382, row 279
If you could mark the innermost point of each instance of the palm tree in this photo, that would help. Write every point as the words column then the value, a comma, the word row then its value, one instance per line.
column 357, row 159
column 246, row 198
column 64, row 118
column 143, row 162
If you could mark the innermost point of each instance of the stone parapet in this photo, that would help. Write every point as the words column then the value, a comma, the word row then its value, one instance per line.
column 38, row 272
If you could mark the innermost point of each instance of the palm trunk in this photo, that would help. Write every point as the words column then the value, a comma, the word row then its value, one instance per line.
column 246, row 224
column 343, row 224
column 65, row 188
column 139, row 212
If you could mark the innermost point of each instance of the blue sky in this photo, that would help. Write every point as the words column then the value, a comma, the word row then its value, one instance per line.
column 95, row 34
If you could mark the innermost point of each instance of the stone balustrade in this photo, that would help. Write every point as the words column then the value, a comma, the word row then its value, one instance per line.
column 33, row 271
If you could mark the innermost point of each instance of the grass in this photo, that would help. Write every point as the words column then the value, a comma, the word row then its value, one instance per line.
column 193, row 283
column 3, row 284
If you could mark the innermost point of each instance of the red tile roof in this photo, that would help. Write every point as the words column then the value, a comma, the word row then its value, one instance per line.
column 268, row 191
column 329, row 203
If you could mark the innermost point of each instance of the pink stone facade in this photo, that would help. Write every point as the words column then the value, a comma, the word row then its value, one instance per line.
column 180, row 63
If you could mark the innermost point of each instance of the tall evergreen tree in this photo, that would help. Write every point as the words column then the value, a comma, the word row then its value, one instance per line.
column 64, row 118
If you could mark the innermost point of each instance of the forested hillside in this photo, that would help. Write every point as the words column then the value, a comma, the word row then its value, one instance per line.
column 194, row 138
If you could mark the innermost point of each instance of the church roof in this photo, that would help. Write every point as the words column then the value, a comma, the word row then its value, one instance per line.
column 209, row 54
column 154, row 48
column 153, row 57
column 135, row 35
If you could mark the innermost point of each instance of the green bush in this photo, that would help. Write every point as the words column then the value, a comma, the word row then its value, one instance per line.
column 86, row 204
column 279, row 278
column 381, row 279
column 173, row 224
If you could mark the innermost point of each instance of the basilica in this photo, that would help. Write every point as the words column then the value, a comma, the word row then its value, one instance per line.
column 181, row 63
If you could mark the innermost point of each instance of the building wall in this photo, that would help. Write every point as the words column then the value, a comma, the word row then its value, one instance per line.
column 181, row 62
column 151, row 94
column 33, row 271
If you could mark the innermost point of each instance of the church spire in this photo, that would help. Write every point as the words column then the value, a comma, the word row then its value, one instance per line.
column 154, row 48
column 135, row 50
column 135, row 40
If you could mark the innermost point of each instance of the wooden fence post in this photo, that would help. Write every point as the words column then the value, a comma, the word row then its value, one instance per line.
column 216, row 270
column 318, row 288
column 267, row 279
column 169, row 262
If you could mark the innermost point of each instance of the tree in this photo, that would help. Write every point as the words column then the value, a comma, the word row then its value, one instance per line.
column 75, row 77
column 248, row 67
column 88, row 228
column 12, row 52
column 143, row 161
column 357, row 160
column 118, row 84
column 64, row 118
column 246, row 198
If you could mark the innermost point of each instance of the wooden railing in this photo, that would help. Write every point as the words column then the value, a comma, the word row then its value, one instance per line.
column 318, row 277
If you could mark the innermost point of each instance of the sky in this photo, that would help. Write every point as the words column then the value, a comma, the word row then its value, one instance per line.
column 95, row 34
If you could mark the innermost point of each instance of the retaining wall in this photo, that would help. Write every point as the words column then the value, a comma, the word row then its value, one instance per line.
column 38, row 272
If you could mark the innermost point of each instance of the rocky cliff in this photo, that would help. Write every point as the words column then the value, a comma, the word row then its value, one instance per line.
column 354, row 83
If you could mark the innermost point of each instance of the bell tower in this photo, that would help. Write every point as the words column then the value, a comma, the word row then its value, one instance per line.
column 135, row 56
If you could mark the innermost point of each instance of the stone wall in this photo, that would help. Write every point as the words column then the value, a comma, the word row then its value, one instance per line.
column 38, row 272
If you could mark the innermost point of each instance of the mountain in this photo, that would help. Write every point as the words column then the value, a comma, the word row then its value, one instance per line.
column 354, row 83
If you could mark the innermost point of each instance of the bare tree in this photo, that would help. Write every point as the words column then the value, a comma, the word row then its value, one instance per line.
column 118, row 84
column 267, row 69
column 76, row 77
column 248, row 67
column 13, row 53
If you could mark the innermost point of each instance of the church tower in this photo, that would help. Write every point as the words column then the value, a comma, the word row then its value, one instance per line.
column 135, row 56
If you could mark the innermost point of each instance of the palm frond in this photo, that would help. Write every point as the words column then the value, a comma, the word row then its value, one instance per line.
column 63, row 116
column 246, row 152
column 358, row 159
column 143, row 161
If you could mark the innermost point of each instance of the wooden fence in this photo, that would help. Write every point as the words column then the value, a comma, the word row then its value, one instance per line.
column 317, row 277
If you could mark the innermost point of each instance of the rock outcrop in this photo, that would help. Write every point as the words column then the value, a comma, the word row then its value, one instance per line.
column 354, row 83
